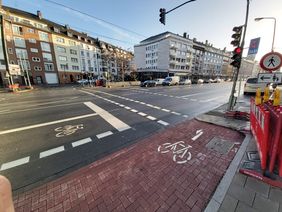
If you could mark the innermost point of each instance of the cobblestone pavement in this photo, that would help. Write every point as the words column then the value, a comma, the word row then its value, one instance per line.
column 145, row 176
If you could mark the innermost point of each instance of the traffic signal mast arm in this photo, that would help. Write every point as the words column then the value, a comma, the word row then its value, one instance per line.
column 163, row 11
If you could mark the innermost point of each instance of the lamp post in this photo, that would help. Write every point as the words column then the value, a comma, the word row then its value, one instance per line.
column 260, row 18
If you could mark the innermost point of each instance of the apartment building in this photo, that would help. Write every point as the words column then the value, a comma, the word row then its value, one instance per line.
column 50, row 53
column 29, row 44
column 166, row 54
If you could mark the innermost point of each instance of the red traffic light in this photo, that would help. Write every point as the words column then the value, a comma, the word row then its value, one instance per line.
column 237, row 50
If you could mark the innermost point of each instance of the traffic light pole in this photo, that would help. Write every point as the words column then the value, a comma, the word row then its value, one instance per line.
column 231, row 98
column 179, row 6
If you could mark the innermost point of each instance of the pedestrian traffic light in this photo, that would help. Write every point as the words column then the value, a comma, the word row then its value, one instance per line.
column 162, row 15
column 237, row 56
column 237, row 35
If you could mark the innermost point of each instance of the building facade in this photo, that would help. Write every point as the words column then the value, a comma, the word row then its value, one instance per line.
column 166, row 54
column 50, row 53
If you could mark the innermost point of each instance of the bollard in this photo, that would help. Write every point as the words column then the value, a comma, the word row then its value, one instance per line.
column 266, row 94
column 276, row 99
column 258, row 97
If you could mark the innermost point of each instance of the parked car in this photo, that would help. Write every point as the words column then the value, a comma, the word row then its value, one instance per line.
column 149, row 83
column 200, row 81
column 218, row 80
column 185, row 82
column 159, row 81
column 208, row 80
column 171, row 80
column 252, row 85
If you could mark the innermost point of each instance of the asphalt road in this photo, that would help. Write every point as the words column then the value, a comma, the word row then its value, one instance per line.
column 50, row 132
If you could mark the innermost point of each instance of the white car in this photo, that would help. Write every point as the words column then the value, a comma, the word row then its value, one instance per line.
column 185, row 82
column 159, row 81
column 252, row 85
column 200, row 81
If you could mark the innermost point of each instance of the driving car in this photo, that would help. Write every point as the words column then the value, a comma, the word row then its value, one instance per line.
column 149, row 83
column 252, row 85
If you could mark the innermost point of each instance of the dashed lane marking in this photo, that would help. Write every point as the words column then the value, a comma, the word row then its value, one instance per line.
column 165, row 110
column 14, row 163
column 103, row 135
column 51, row 151
column 163, row 122
column 81, row 142
column 142, row 114
column 151, row 118
column 175, row 113
column 134, row 111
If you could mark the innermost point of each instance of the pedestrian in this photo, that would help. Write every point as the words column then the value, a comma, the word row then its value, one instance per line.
column 6, row 200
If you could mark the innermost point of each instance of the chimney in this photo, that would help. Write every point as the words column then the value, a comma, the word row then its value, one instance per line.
column 39, row 14
column 184, row 35
column 207, row 42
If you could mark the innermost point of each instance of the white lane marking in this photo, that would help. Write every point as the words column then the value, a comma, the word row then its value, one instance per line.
column 51, row 151
column 171, row 96
column 115, row 122
column 134, row 111
column 156, row 107
column 149, row 105
column 46, row 124
column 191, row 95
column 14, row 163
column 142, row 114
column 1, row 111
column 105, row 134
column 128, row 108
column 165, row 110
column 185, row 116
column 209, row 100
column 193, row 100
column 175, row 113
column 198, row 134
column 81, row 142
column 163, row 122
column 137, row 101
column 122, row 105
column 142, row 103
column 151, row 118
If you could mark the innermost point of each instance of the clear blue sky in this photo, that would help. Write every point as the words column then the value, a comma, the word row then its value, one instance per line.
column 210, row 20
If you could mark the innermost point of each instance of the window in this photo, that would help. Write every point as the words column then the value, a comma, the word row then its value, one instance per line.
column 19, row 42
column 88, row 55
column 49, row 66
column 72, row 43
column 60, row 40
column 56, row 30
column 82, row 53
column 43, row 36
column 61, row 49
column 21, row 53
column 30, row 30
column 35, row 59
column 74, row 60
column 18, row 30
column 75, row 68
column 64, row 66
column 45, row 47
column 34, row 50
column 32, row 40
column 24, row 64
column 72, row 51
column 10, row 50
column 37, row 68
column 47, row 56
column 63, row 58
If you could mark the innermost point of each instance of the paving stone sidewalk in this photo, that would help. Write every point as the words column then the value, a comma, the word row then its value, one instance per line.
column 139, row 178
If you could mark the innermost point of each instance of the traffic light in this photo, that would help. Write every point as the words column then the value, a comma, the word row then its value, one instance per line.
column 162, row 16
column 237, row 56
column 237, row 35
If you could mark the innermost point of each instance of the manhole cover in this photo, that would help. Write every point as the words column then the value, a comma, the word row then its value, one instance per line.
column 253, row 156
column 220, row 145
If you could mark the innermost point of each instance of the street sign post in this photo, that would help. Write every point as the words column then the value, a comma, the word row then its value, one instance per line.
column 271, row 61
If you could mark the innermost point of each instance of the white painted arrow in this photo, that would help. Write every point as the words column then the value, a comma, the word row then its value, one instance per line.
column 198, row 134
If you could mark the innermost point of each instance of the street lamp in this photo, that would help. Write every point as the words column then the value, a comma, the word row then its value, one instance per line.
column 260, row 18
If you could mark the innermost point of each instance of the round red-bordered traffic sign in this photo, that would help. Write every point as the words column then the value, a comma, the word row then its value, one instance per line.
column 271, row 61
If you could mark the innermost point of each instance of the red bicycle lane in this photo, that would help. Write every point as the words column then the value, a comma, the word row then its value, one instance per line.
column 151, row 175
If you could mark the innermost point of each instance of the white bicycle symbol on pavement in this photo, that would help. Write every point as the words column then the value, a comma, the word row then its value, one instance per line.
column 67, row 130
column 180, row 151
